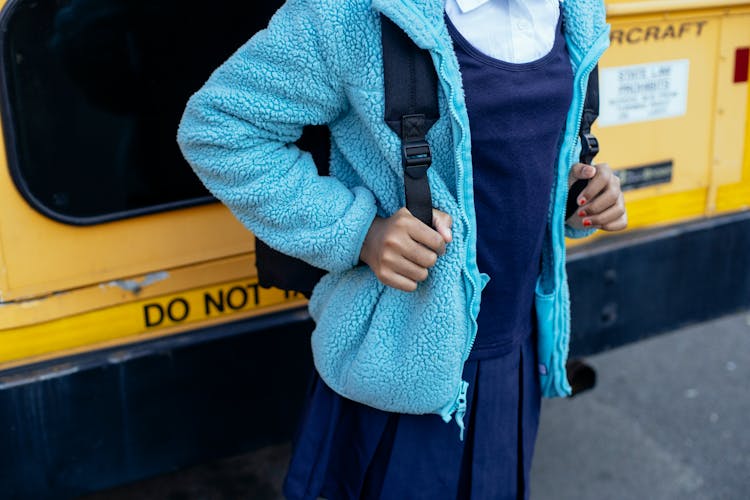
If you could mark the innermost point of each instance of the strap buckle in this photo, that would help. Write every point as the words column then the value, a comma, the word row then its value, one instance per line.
column 415, row 152
column 417, row 158
column 589, row 148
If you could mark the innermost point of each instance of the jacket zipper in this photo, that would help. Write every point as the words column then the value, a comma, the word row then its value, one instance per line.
column 571, row 155
column 458, row 408
column 461, row 186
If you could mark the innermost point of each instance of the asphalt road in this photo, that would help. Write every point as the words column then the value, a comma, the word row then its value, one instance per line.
column 668, row 419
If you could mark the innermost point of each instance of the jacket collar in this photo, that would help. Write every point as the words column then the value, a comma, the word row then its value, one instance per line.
column 420, row 19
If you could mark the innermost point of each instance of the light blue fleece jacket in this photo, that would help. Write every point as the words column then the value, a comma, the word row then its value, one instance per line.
column 320, row 62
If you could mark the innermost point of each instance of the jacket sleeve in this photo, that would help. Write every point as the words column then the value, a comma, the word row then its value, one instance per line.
column 572, row 232
column 238, row 130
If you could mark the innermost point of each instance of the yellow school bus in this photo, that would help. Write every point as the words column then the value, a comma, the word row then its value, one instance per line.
column 134, row 338
column 674, row 124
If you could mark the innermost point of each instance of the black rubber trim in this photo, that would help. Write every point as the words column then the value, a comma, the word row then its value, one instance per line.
column 632, row 286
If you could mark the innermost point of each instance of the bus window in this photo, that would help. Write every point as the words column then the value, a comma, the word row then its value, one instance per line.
column 93, row 92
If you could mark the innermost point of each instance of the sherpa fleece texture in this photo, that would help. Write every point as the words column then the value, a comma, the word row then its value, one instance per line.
column 320, row 62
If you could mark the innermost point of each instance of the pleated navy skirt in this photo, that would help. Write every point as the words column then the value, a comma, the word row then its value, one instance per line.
column 346, row 450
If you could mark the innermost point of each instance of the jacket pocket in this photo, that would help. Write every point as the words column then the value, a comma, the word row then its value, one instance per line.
column 390, row 349
column 545, row 307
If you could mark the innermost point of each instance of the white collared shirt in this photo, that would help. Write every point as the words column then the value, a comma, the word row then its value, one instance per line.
column 515, row 31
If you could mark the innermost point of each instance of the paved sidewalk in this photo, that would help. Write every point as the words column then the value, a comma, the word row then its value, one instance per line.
column 669, row 419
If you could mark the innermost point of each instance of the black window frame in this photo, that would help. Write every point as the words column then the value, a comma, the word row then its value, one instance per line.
column 10, row 137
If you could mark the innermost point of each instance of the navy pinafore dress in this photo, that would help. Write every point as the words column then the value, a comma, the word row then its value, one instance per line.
column 346, row 450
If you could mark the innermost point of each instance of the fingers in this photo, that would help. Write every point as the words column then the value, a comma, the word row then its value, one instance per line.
column 398, row 281
column 606, row 199
column 419, row 254
column 611, row 219
column 432, row 239
column 601, row 203
column 599, row 182
column 405, row 263
column 581, row 171
column 443, row 223
column 408, row 269
column 617, row 225
column 603, row 180
column 402, row 251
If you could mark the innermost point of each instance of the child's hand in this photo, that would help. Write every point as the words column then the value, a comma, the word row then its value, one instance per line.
column 401, row 249
column 601, row 204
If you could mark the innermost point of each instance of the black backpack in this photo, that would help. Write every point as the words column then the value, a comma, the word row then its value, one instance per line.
column 411, row 108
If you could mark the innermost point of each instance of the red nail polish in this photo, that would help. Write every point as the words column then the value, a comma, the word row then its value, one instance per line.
column 587, row 222
column 582, row 201
column 582, row 213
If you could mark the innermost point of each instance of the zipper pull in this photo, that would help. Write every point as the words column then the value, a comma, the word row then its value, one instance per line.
column 461, row 410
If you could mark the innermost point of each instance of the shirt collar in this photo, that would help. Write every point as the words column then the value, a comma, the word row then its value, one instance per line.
column 469, row 5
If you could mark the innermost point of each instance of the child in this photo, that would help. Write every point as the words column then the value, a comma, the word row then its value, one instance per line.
column 400, row 340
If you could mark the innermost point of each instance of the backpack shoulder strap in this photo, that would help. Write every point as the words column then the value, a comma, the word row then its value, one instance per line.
column 411, row 109
column 589, row 143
